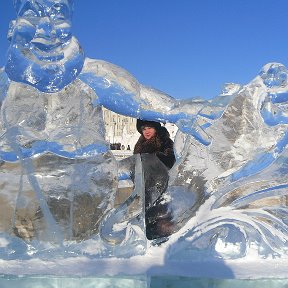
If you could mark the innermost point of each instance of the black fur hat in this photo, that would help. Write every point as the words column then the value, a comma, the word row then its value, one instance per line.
column 141, row 123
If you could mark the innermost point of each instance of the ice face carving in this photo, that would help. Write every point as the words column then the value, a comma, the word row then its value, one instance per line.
column 43, row 52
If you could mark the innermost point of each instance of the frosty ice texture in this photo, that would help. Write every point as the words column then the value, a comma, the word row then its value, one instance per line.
column 227, row 193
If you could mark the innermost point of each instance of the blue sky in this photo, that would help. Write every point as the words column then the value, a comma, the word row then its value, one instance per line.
column 186, row 48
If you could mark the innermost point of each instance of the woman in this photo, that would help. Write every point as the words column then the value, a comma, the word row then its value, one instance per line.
column 155, row 140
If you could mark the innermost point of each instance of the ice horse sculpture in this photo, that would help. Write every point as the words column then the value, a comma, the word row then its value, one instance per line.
column 227, row 193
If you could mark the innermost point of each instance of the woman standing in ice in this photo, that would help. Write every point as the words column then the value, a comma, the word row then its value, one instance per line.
column 55, row 161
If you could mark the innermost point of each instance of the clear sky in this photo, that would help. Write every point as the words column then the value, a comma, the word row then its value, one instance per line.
column 186, row 48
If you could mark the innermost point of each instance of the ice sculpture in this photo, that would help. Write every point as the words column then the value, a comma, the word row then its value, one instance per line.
column 226, row 194
column 58, row 177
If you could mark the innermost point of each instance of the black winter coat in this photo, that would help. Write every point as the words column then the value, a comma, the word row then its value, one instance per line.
column 161, row 145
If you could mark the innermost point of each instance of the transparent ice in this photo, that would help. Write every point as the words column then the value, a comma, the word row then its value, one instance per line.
column 227, row 192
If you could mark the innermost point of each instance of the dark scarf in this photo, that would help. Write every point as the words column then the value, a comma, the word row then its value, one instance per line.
column 152, row 145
